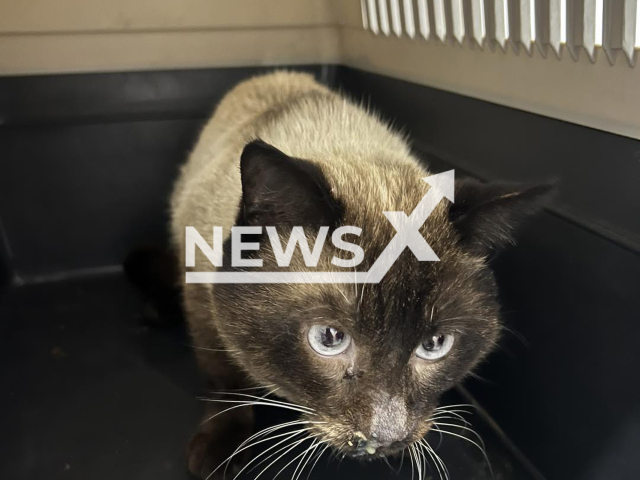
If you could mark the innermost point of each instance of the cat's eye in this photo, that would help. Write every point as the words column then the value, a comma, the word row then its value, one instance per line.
column 327, row 340
column 435, row 347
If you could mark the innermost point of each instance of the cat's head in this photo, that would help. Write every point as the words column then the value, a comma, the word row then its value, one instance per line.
column 367, row 361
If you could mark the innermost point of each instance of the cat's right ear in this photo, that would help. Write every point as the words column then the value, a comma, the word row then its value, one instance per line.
column 279, row 190
column 487, row 215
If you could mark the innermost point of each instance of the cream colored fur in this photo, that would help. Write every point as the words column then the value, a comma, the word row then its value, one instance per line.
column 363, row 160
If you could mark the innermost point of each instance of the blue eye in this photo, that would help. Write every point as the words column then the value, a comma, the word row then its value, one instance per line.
column 435, row 347
column 328, row 341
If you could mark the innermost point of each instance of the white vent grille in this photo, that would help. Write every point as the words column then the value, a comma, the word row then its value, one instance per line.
column 560, row 26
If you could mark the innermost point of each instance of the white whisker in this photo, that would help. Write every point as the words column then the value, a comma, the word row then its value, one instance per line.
column 291, row 437
column 441, row 462
column 291, row 461
column 261, row 462
column 263, row 399
column 345, row 297
column 363, row 286
column 249, row 404
column 262, row 387
column 443, row 407
column 470, row 441
column 241, row 448
column 439, row 417
column 262, row 433
column 427, row 448
column 225, row 350
column 412, row 458
column 317, row 458
column 420, row 462
column 312, row 449
column 438, row 424
column 454, row 410
column 298, row 442
column 421, row 447
column 386, row 460
column 267, row 431
column 355, row 282
column 438, row 461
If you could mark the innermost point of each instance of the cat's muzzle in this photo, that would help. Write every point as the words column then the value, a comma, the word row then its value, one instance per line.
column 362, row 446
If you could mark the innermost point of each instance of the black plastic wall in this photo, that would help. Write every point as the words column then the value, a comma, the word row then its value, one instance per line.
column 563, row 386
column 6, row 270
column 87, row 163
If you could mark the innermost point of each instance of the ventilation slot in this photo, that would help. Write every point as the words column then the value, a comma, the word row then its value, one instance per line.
column 558, row 26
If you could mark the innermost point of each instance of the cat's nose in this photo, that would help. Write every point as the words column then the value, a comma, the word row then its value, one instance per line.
column 389, row 422
column 384, row 440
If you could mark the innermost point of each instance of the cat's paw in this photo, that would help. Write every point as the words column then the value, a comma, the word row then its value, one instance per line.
column 207, row 451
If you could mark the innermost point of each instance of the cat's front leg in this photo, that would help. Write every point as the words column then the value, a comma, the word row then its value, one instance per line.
column 224, row 425
column 218, row 436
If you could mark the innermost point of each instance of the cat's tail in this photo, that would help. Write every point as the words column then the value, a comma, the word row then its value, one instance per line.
column 154, row 271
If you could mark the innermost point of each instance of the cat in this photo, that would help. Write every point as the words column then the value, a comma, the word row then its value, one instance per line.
column 364, row 364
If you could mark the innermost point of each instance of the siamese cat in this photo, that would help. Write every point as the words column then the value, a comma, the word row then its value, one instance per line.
column 364, row 364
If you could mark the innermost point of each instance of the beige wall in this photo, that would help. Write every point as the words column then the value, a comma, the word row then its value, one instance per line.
column 44, row 36
column 37, row 16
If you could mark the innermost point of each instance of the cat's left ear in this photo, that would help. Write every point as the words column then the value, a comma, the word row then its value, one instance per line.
column 279, row 190
column 487, row 215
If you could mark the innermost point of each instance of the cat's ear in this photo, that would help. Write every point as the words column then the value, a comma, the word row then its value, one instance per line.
column 486, row 215
column 280, row 190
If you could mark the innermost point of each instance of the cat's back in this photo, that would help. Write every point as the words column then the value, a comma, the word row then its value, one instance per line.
column 207, row 190
column 292, row 112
